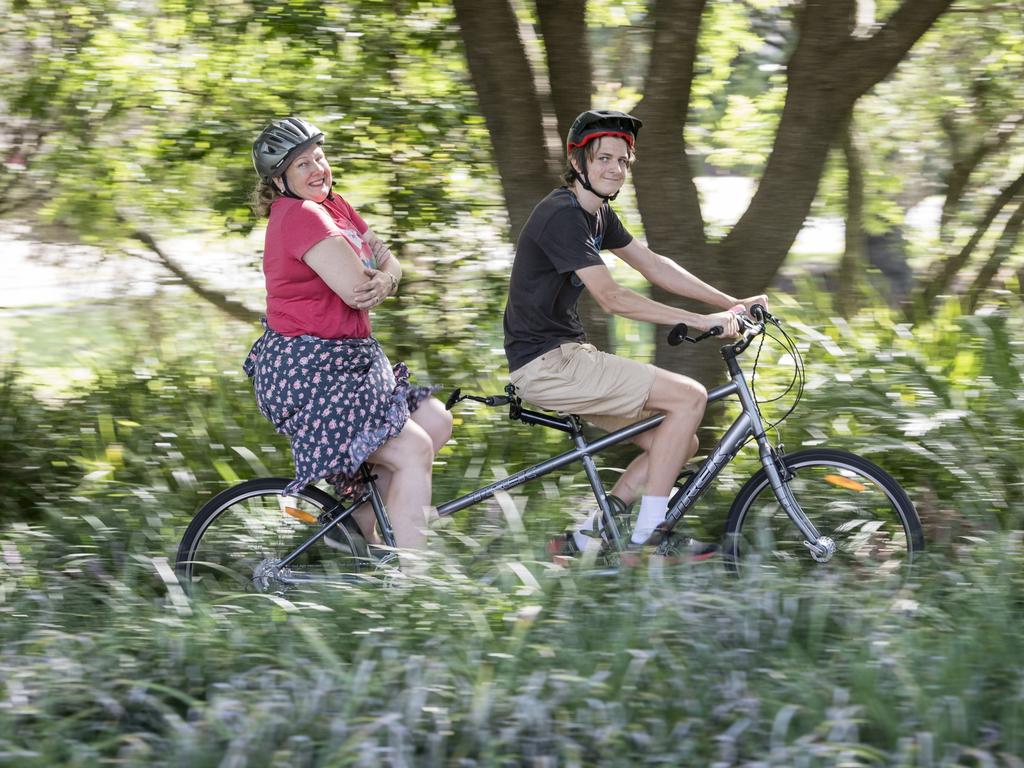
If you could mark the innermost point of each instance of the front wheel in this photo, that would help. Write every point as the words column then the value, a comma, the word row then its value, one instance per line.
column 868, row 522
column 236, row 539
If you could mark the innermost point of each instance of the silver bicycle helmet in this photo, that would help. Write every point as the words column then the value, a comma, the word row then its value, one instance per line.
column 279, row 142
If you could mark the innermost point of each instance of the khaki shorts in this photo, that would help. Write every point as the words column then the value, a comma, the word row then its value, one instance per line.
column 607, row 390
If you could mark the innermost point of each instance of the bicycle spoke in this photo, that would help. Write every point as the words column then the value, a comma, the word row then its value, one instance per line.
column 237, row 542
column 868, row 526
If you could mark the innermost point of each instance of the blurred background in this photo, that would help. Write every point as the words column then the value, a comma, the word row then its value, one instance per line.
column 860, row 161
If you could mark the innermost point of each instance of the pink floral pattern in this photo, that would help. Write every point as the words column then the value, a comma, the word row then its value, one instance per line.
column 338, row 400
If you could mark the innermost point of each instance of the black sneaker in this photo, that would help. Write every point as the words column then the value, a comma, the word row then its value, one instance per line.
column 671, row 548
column 686, row 549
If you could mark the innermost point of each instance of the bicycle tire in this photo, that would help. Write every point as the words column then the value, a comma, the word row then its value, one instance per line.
column 848, row 498
column 232, row 538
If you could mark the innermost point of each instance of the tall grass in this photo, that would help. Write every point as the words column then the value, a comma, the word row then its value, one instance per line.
column 495, row 657
column 547, row 667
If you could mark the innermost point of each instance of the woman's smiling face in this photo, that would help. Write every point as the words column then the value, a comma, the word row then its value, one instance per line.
column 309, row 175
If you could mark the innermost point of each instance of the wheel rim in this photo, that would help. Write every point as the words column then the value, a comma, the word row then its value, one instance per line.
column 847, row 505
column 234, row 550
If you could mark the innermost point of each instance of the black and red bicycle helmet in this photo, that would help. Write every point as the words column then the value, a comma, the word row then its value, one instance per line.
column 595, row 123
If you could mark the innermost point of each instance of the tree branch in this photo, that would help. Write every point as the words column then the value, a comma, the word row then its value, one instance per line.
column 948, row 269
column 1003, row 247
column 964, row 163
column 234, row 308
column 863, row 63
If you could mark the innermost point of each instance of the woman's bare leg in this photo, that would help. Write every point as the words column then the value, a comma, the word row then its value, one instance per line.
column 436, row 421
column 401, row 485
column 408, row 457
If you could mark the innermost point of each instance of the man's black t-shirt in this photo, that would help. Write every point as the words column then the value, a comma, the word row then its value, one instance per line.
column 559, row 237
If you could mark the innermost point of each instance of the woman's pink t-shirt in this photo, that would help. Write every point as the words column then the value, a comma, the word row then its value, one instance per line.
column 299, row 302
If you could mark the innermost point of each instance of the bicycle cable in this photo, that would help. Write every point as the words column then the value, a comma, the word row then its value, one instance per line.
column 798, row 380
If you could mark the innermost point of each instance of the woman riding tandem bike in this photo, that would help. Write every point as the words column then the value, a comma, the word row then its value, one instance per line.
column 319, row 375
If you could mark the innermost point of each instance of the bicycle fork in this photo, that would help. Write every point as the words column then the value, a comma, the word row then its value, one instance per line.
column 821, row 548
column 748, row 424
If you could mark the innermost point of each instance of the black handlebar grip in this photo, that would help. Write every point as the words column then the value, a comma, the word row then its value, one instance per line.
column 496, row 400
column 453, row 398
column 716, row 331
column 758, row 312
column 678, row 334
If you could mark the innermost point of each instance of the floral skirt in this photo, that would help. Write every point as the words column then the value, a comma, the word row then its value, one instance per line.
column 338, row 400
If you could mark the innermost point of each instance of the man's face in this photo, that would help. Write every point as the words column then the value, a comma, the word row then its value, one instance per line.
column 309, row 175
column 609, row 164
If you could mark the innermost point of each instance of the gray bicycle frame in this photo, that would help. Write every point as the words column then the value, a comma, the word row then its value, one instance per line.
column 748, row 424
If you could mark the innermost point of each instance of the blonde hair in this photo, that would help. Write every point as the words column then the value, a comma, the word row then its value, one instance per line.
column 262, row 197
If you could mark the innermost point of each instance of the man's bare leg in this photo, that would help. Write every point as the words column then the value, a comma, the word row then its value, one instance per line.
column 671, row 445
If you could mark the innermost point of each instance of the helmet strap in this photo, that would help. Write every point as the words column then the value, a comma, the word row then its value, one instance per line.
column 287, row 190
column 584, row 180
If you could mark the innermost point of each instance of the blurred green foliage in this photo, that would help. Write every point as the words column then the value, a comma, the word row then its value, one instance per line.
column 147, row 112
column 494, row 657
column 117, row 422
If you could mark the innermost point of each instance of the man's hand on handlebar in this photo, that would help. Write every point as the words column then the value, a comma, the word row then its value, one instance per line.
column 727, row 321
column 748, row 303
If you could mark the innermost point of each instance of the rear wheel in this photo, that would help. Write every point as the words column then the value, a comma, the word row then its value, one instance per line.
column 869, row 522
column 236, row 539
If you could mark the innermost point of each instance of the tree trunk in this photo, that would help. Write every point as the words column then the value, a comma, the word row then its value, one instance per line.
column 851, row 266
column 665, row 190
column 827, row 72
column 563, row 25
column 509, row 102
column 1003, row 248
column 666, row 193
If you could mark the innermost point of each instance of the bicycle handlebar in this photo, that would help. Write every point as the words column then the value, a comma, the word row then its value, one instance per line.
column 748, row 329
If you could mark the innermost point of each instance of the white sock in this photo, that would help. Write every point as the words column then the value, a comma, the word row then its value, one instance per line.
column 584, row 533
column 652, row 513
